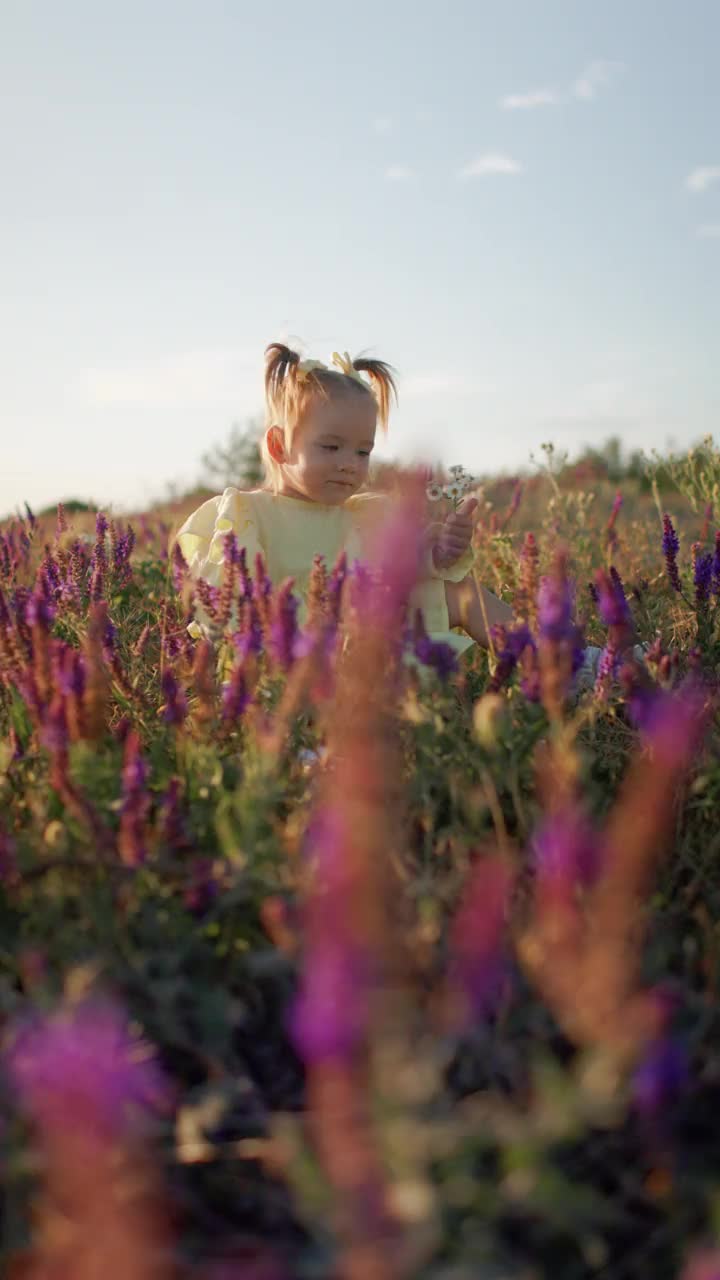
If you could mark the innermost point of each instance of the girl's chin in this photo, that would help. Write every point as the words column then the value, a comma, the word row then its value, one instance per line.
column 338, row 491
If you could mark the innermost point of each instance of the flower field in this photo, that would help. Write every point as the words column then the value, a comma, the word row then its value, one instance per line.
column 323, row 956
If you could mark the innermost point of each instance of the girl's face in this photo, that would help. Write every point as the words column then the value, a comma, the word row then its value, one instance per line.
column 328, row 458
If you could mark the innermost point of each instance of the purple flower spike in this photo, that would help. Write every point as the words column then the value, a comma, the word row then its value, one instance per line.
column 671, row 547
column 284, row 626
column 336, row 583
column 39, row 612
column 716, row 565
column 612, row 601
column 82, row 1068
column 175, row 708
column 555, row 607
column 440, row 657
column 703, row 577
column 235, row 696
column 179, row 568
column 510, row 645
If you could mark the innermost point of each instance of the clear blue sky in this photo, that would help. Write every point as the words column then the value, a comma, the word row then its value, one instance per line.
column 516, row 202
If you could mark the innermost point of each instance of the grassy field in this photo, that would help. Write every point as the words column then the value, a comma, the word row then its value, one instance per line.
column 318, row 963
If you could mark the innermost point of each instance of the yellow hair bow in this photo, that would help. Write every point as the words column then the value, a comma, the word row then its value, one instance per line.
column 346, row 366
column 304, row 368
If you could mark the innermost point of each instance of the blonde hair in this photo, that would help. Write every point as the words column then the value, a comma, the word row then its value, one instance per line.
column 291, row 385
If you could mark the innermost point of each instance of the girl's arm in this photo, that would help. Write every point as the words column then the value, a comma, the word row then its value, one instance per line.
column 476, row 609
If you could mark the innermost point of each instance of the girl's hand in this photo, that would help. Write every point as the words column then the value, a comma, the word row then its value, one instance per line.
column 454, row 534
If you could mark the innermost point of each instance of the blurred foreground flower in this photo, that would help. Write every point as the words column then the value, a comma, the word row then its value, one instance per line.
column 87, row 1084
column 584, row 951
column 83, row 1067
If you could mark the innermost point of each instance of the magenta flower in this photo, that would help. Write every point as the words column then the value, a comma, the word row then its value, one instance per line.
column 82, row 1068
column 262, row 584
column 612, row 601
column 566, row 852
column 478, row 948
column 330, row 1017
column 703, row 1265
column 236, row 698
column 54, row 732
column 249, row 637
column 331, row 1014
column 135, row 804
column 336, row 585
column 39, row 612
column 284, row 626
column 674, row 726
column 554, row 607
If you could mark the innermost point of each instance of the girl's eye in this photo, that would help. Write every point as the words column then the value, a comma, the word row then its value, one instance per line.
column 329, row 448
column 364, row 453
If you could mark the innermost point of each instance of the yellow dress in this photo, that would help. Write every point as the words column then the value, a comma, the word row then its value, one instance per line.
column 290, row 532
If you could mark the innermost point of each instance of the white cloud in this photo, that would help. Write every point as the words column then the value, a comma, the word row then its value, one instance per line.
column 711, row 231
column 529, row 101
column 701, row 178
column 382, row 124
column 399, row 173
column 489, row 164
column 596, row 76
column 209, row 376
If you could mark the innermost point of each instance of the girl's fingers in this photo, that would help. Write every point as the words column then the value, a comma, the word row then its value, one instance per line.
column 467, row 507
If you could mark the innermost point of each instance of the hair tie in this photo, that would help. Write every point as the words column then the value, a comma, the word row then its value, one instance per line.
column 346, row 366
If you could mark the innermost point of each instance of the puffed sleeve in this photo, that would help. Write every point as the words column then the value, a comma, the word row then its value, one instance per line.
column 202, row 539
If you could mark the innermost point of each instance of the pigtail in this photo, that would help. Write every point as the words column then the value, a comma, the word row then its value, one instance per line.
column 280, row 362
column 382, row 381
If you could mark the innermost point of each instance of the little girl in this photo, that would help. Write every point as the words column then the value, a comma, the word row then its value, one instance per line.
column 320, row 434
